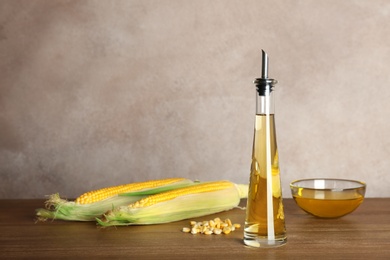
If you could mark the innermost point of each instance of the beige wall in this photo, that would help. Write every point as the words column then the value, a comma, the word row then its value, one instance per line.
column 96, row 93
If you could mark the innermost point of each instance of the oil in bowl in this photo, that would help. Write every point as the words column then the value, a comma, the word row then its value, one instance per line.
column 328, row 198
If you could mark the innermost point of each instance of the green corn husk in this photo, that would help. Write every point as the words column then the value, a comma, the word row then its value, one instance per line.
column 179, row 208
column 58, row 208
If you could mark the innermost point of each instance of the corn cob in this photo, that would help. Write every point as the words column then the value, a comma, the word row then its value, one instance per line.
column 188, row 202
column 92, row 204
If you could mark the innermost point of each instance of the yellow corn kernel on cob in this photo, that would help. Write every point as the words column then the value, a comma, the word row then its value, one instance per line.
column 193, row 201
column 94, row 203
column 104, row 193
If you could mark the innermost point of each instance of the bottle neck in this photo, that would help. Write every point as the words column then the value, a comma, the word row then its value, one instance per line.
column 265, row 104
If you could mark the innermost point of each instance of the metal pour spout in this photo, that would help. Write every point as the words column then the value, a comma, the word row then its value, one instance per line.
column 264, row 63
column 264, row 84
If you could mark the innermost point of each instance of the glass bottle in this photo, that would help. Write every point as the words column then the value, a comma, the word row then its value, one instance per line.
column 264, row 223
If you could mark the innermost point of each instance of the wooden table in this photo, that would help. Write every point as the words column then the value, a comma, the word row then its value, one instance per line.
column 364, row 234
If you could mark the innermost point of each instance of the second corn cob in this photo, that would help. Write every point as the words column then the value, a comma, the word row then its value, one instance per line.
column 183, row 203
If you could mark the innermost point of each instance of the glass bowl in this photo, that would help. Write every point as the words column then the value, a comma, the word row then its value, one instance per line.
column 328, row 198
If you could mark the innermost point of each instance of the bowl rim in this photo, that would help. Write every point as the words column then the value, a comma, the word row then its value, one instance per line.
column 360, row 184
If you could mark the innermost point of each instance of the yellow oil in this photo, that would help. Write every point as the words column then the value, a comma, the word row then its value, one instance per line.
column 256, row 229
column 336, row 204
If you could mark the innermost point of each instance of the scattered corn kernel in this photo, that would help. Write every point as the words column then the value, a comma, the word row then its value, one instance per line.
column 194, row 231
column 228, row 222
column 226, row 230
column 215, row 226
column 212, row 223
column 204, row 229
column 208, row 232
column 217, row 231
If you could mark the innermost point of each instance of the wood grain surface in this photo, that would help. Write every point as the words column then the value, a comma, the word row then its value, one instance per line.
column 364, row 234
